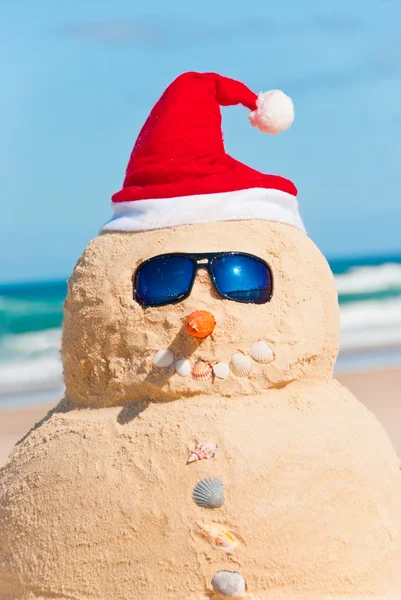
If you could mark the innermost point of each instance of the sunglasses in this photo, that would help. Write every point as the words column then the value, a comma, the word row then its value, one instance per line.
column 169, row 278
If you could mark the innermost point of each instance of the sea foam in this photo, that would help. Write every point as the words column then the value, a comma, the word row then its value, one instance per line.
column 363, row 280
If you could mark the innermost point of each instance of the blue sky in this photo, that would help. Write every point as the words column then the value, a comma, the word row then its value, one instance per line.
column 79, row 79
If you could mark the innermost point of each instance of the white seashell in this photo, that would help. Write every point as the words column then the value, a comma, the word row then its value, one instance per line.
column 221, row 370
column 262, row 351
column 163, row 359
column 209, row 493
column 202, row 371
column 219, row 535
column 183, row 367
column 229, row 584
column 241, row 365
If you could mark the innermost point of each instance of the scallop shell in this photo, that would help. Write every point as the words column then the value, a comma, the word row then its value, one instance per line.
column 241, row 365
column 261, row 351
column 220, row 535
column 209, row 493
column 229, row 584
column 221, row 370
column 183, row 367
column 202, row 371
column 163, row 359
column 202, row 451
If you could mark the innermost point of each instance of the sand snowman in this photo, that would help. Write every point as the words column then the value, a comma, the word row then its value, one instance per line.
column 203, row 449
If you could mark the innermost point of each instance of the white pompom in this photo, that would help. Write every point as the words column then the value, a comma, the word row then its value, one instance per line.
column 275, row 112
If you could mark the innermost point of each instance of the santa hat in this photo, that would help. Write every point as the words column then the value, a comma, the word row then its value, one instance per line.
column 179, row 172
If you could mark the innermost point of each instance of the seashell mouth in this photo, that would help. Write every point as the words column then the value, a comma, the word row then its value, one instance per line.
column 221, row 370
column 241, row 365
column 229, row 584
column 209, row 493
column 163, row 359
column 183, row 367
column 202, row 371
column 261, row 351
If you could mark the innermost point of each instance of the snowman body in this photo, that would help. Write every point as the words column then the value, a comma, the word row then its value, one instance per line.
column 97, row 501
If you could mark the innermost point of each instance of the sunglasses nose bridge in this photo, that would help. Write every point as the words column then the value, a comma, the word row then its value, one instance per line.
column 202, row 263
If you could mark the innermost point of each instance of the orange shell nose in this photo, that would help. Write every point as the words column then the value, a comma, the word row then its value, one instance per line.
column 200, row 324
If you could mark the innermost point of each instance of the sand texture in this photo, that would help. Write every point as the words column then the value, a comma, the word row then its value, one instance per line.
column 14, row 424
column 96, row 502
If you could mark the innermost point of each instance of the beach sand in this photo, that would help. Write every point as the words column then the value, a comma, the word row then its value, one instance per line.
column 14, row 424
column 379, row 390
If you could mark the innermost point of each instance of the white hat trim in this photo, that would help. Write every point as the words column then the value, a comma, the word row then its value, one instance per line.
column 256, row 203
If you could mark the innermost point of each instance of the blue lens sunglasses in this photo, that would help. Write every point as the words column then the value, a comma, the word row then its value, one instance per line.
column 169, row 278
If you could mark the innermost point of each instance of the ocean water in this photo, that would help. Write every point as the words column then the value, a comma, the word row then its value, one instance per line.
column 31, row 317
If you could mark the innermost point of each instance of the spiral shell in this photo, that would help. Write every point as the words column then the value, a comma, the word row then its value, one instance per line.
column 163, row 359
column 202, row 371
column 209, row 493
column 229, row 584
column 183, row 367
column 261, row 351
column 221, row 370
column 202, row 451
column 241, row 365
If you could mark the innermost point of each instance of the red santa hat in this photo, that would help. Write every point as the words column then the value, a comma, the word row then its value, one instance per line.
column 179, row 172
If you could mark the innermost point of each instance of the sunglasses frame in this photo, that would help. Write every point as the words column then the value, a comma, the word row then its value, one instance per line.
column 195, row 258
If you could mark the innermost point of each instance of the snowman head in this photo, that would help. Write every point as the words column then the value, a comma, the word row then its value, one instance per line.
column 111, row 342
column 204, row 281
